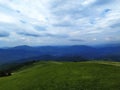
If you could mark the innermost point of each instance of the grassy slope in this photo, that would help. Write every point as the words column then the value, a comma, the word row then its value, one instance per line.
column 65, row 76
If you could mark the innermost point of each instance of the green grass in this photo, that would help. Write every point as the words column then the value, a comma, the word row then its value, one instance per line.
column 65, row 76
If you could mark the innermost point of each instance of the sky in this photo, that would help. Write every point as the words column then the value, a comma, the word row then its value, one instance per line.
column 59, row 22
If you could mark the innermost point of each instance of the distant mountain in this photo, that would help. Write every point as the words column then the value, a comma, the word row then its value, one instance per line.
column 21, row 53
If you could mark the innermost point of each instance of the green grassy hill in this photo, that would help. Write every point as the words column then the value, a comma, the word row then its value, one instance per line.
column 65, row 76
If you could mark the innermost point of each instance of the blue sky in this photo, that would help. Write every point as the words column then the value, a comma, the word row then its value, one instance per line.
column 59, row 22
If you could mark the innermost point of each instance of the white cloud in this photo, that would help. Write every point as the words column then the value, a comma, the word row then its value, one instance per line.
column 79, row 19
column 6, row 18
column 88, row 2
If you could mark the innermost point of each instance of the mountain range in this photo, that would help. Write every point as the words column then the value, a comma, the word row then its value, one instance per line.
column 67, row 53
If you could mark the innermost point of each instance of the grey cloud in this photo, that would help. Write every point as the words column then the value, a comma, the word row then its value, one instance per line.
column 29, row 34
column 4, row 34
column 43, row 35
column 18, row 11
column 63, row 24
column 22, row 21
column 56, row 35
column 115, row 25
column 41, row 28
column 77, row 40
column 102, row 2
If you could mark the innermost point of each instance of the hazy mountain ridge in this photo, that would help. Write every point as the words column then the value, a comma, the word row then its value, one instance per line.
column 55, row 52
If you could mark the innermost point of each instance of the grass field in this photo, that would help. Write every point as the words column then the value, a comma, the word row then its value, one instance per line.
column 91, row 75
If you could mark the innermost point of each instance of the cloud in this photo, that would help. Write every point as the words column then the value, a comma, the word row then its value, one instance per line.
column 103, row 2
column 115, row 25
column 65, row 22
column 56, row 35
column 41, row 28
column 29, row 34
column 42, row 35
column 22, row 21
column 6, row 18
column 4, row 34
column 77, row 40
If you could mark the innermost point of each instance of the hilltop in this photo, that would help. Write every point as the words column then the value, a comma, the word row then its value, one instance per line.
column 91, row 75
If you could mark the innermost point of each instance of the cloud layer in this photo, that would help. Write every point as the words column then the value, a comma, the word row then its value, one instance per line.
column 58, row 22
